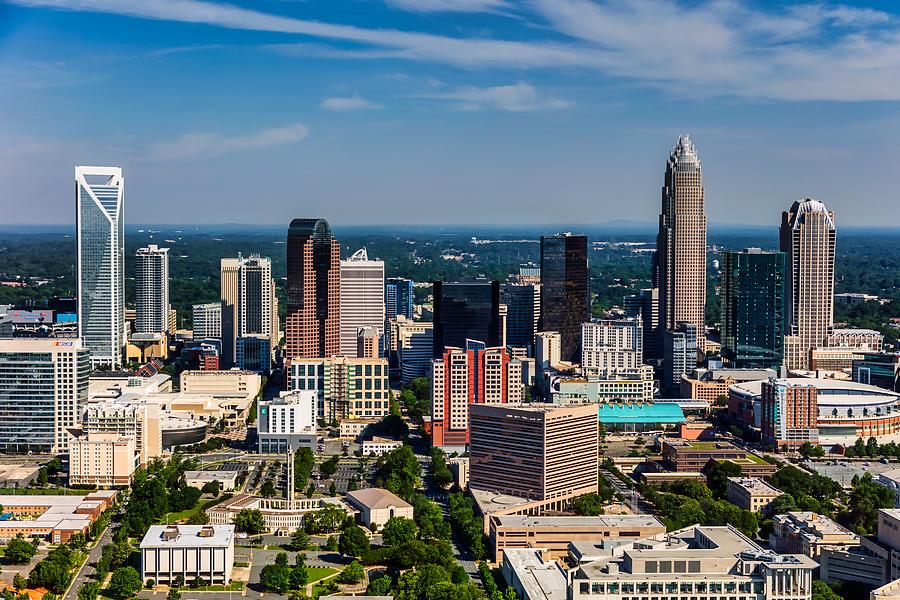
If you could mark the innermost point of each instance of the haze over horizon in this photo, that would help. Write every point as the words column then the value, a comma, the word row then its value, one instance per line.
column 461, row 112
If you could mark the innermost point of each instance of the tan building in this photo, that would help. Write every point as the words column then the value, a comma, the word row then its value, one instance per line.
column 807, row 239
column 693, row 456
column 367, row 343
column 102, row 459
column 377, row 505
column 556, row 533
column 55, row 517
column 534, row 451
column 140, row 421
column 281, row 516
column 834, row 358
column 346, row 387
column 864, row 339
column 808, row 533
column 221, row 382
column 751, row 493
column 362, row 301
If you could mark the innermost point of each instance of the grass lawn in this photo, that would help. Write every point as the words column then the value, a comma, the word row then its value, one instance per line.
column 234, row 586
column 317, row 573
column 320, row 590
column 172, row 517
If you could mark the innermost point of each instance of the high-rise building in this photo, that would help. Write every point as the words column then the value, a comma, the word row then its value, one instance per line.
column 287, row 423
column 140, row 421
column 399, row 297
column 679, row 355
column 207, row 321
column 410, row 348
column 523, row 311
column 99, row 210
column 753, row 309
column 362, row 299
column 789, row 413
column 228, row 285
column 43, row 385
column 807, row 239
column 645, row 306
column 608, row 346
column 248, row 303
column 463, row 311
column 367, row 343
column 151, row 289
column 534, row 451
column 565, row 290
column 681, row 242
column 346, row 387
column 462, row 377
column 313, row 325
column 546, row 351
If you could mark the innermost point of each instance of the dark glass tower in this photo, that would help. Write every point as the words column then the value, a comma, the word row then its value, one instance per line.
column 753, row 309
column 463, row 311
column 565, row 290
column 398, row 297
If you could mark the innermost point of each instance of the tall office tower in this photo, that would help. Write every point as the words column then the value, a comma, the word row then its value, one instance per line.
column 399, row 297
column 410, row 348
column 523, row 311
column 645, row 306
column 367, row 343
column 565, row 290
column 151, row 289
column 207, row 321
column 807, row 239
column 534, row 451
column 789, row 413
column 248, row 301
column 362, row 299
column 229, row 272
column 43, row 385
column 99, row 210
column 464, row 377
column 546, row 350
column 313, row 325
column 463, row 311
column 609, row 347
column 753, row 309
column 679, row 354
column 681, row 242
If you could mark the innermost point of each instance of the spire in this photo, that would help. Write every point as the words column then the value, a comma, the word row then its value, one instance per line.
column 684, row 151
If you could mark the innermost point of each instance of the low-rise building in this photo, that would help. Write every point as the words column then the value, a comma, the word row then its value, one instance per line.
column 55, row 518
column 102, row 459
column 875, row 562
column 227, row 479
column 353, row 428
column 712, row 384
column 751, row 493
column 379, row 445
column 377, row 505
column 533, row 575
column 625, row 385
column 459, row 466
column 282, row 517
column 192, row 552
column 287, row 423
column 808, row 533
column 694, row 456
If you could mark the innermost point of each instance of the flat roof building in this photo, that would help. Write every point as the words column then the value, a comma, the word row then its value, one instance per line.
column 751, row 493
column 694, row 456
column 533, row 575
column 808, row 533
column 227, row 479
column 190, row 551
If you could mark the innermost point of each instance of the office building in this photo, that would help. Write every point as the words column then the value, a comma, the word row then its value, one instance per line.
column 227, row 480
column 102, row 459
column 54, row 518
column 691, row 456
column 645, row 306
column 362, row 299
column 140, row 420
column 547, row 348
column 523, row 311
column 565, row 290
column 712, row 385
column 248, row 305
column 536, row 452
column 808, row 239
column 207, row 321
column 189, row 552
column 752, row 318
column 410, row 348
column 466, row 311
column 378, row 506
column 533, row 574
column 399, row 297
column 625, row 385
column 681, row 244
column 379, row 445
column 751, row 493
column 880, row 369
column 313, row 325
column 789, row 413
column 696, row 562
column 680, row 347
column 875, row 562
column 100, row 270
column 346, row 387
column 368, row 343
column 287, row 423
column 461, row 378
column 151, row 289
column 859, row 339
column 253, row 353
column 608, row 347
column 43, row 385
column 807, row 533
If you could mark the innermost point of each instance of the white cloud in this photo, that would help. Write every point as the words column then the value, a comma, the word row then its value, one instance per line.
column 519, row 97
column 348, row 104
column 191, row 145
column 449, row 5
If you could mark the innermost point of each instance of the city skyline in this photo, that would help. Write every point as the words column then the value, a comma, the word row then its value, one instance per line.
column 470, row 115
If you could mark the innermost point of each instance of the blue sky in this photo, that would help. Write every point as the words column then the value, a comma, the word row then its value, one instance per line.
column 448, row 111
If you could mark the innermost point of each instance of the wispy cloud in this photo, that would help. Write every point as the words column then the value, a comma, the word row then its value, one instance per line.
column 348, row 104
column 449, row 5
column 806, row 51
column 519, row 97
column 198, row 145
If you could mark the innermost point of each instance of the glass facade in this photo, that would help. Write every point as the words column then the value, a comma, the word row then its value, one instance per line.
column 466, row 311
column 565, row 291
column 399, row 297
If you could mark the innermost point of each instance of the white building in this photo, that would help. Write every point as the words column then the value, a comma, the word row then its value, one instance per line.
column 362, row 299
column 547, row 346
column 379, row 446
column 102, row 459
column 249, row 305
column 288, row 422
column 610, row 346
column 43, row 384
column 151, row 289
column 207, row 321
column 99, row 206
column 191, row 551
column 227, row 479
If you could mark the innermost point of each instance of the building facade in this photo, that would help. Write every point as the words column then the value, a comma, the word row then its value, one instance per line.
column 188, row 552
column 410, row 348
column 789, row 413
column 207, row 321
column 249, row 305
column 608, row 347
column 464, row 311
column 362, row 299
column 287, row 423
column 399, row 297
column 751, row 493
column 645, row 306
column 565, row 290
column 680, row 347
column 808, row 533
column 102, row 459
column 523, row 312
column 346, row 388
column 151, row 289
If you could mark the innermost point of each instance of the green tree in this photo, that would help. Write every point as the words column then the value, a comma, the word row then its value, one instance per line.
column 588, row 505
column 332, row 490
column 353, row 573
column 276, row 577
column 299, row 540
column 823, row 591
column 399, row 472
column 310, row 491
column 717, row 476
column 250, row 521
column 89, row 591
column 124, row 583
column 42, row 478
column 353, row 541
column 398, row 531
column 329, row 467
column 173, row 594
column 19, row 551
column 379, row 587
column 211, row 487
column 299, row 575
column 268, row 489
column 19, row 582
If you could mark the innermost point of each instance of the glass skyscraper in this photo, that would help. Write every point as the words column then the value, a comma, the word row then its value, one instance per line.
column 565, row 290
column 466, row 311
column 398, row 297
column 99, row 206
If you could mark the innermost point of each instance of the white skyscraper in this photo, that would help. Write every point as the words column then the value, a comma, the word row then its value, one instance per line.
column 151, row 289
column 362, row 298
column 99, row 210
column 207, row 320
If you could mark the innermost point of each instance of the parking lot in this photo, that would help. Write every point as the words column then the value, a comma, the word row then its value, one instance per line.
column 843, row 471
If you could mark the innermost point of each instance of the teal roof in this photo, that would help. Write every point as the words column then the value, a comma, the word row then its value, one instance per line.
column 663, row 413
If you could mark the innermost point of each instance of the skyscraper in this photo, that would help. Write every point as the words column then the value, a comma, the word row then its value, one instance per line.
column 645, row 306
column 463, row 311
column 808, row 240
column 609, row 347
column 679, row 355
column 399, row 297
column 313, row 325
column 228, row 285
column 753, row 309
column 681, row 242
column 362, row 299
column 99, row 211
column 248, row 301
column 565, row 290
column 151, row 289
column 207, row 321
column 523, row 311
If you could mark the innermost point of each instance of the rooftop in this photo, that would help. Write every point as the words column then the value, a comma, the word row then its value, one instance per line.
column 667, row 412
column 755, row 485
column 539, row 578
column 610, row 521
column 168, row 536
column 814, row 524
column 375, row 498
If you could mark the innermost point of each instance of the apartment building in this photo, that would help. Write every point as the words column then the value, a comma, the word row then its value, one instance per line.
column 102, row 459
column 609, row 346
column 346, row 388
